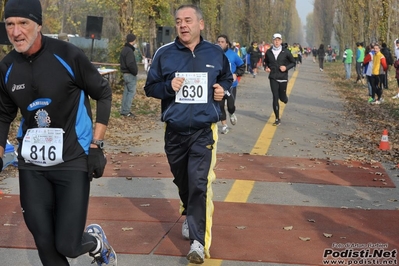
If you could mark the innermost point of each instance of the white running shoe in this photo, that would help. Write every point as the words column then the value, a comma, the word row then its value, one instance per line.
column 225, row 129
column 184, row 230
column 233, row 119
column 106, row 255
column 196, row 254
column 396, row 96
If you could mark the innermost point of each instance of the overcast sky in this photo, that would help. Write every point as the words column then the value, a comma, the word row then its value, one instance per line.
column 304, row 7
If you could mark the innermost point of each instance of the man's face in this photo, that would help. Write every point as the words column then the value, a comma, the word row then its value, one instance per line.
column 222, row 43
column 376, row 48
column 277, row 42
column 188, row 26
column 22, row 33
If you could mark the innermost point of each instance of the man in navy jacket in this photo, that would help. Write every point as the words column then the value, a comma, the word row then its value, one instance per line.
column 190, row 76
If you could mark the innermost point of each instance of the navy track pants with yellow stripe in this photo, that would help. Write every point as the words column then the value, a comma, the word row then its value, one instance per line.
column 192, row 159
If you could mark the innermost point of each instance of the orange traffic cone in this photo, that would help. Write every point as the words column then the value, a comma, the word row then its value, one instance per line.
column 384, row 144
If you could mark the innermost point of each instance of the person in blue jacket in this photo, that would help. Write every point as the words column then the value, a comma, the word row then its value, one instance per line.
column 237, row 67
column 190, row 76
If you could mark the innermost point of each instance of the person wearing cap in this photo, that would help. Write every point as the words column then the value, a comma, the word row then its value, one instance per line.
column 191, row 76
column 129, row 69
column 254, row 56
column 278, row 60
column 49, row 82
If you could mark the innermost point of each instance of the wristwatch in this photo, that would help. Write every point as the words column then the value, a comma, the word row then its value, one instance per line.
column 98, row 142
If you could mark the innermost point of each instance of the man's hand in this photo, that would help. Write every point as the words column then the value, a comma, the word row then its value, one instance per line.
column 1, row 164
column 177, row 83
column 218, row 92
column 96, row 163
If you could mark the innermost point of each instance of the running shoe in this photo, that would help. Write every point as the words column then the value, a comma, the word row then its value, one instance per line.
column 196, row 254
column 376, row 102
column 225, row 129
column 371, row 100
column 277, row 122
column 233, row 119
column 106, row 255
column 130, row 114
column 184, row 230
column 396, row 96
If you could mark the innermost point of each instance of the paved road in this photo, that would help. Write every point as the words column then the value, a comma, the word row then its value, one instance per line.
column 312, row 117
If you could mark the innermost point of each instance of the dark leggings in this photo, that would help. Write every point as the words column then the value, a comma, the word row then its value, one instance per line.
column 54, row 205
column 321, row 62
column 359, row 70
column 375, row 85
column 231, row 108
column 279, row 91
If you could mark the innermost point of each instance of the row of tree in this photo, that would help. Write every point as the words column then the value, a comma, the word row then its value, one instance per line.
column 353, row 21
column 242, row 20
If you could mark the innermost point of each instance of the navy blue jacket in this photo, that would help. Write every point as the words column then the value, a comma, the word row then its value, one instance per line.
column 175, row 57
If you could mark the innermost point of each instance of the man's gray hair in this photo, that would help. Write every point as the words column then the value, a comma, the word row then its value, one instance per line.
column 198, row 11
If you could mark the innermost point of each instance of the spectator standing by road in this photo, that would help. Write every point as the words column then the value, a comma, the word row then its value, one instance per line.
column 347, row 60
column 129, row 69
column 367, row 69
column 360, row 53
column 237, row 67
column 49, row 81
column 379, row 67
column 396, row 65
column 396, row 49
column 389, row 59
column 146, row 56
column 190, row 76
column 278, row 61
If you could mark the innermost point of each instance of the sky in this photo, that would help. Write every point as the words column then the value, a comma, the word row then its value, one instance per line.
column 304, row 7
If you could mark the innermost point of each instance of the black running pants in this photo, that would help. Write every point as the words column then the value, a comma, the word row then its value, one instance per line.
column 230, row 98
column 279, row 91
column 54, row 205
column 375, row 85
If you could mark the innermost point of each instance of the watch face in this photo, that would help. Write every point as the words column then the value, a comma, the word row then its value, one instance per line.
column 99, row 143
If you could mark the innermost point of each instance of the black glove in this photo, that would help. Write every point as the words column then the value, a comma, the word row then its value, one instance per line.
column 96, row 163
column 1, row 164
